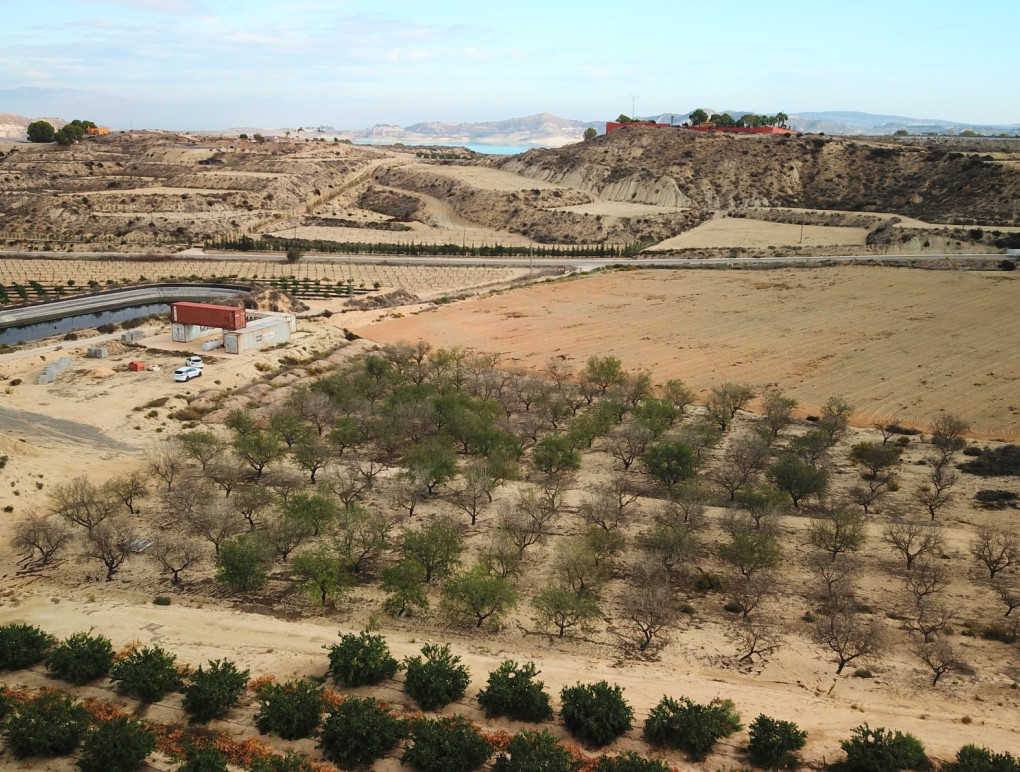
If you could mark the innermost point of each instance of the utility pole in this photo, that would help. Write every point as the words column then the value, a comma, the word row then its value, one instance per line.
column 633, row 108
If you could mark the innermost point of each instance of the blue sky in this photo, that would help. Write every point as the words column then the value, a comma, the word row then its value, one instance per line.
column 207, row 64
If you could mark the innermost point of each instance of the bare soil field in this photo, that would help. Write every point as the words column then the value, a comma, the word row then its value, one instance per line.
column 756, row 234
column 899, row 344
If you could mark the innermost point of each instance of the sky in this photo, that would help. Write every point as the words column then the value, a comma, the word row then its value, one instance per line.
column 350, row 64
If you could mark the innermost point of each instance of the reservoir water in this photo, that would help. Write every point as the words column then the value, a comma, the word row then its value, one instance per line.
column 28, row 332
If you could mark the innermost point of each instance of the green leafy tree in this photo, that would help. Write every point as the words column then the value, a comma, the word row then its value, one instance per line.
column 432, row 462
column 404, row 583
column 563, row 608
column 323, row 577
column 555, row 453
column 359, row 536
column 596, row 714
column 879, row 750
column 445, row 744
column 530, row 751
column 691, row 727
column 629, row 762
column 698, row 117
column 81, row 657
column 258, row 448
column 243, row 562
column 476, row 597
column 359, row 731
column 212, row 691
column 317, row 511
column 752, row 552
column 147, row 673
column 603, row 372
column 118, row 745
column 40, row 131
column 292, row 710
column 774, row 743
column 361, row 660
column 51, row 724
column 22, row 645
column 875, row 456
column 513, row 691
column 669, row 462
column 590, row 134
column 436, row 546
column 797, row 479
column 438, row 679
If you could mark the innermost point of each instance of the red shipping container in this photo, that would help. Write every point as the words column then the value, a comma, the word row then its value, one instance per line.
column 204, row 315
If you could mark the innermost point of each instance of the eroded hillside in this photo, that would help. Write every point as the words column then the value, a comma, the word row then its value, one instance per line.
column 962, row 184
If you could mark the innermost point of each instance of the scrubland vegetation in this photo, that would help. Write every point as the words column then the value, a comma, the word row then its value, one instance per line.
column 440, row 486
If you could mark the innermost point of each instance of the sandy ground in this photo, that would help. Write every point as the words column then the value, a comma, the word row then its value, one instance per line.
column 899, row 344
column 758, row 234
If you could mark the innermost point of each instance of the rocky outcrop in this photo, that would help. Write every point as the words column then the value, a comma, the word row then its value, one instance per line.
column 641, row 187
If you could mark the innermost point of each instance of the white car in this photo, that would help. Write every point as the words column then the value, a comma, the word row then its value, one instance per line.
column 186, row 373
column 194, row 362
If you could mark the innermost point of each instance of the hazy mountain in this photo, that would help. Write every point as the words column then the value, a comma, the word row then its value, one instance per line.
column 543, row 129
column 847, row 122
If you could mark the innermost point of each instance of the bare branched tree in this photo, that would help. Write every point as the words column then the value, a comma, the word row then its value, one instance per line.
column 748, row 593
column 346, row 483
column 475, row 490
column 175, row 553
column 937, row 491
column 927, row 578
column 129, row 488
column 45, row 534
column 526, row 520
column 1007, row 589
column 940, row 657
column 216, row 523
column 628, row 442
column 929, row 619
column 743, row 461
column 647, row 601
column 110, row 543
column 166, row 460
column 755, row 637
column 849, row 635
column 837, row 578
column 80, row 502
column 947, row 432
column 914, row 539
column 996, row 548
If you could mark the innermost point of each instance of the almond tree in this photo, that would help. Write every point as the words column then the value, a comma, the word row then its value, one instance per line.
column 913, row 539
column 848, row 634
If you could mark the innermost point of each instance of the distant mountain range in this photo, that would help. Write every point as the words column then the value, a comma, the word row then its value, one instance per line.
column 20, row 106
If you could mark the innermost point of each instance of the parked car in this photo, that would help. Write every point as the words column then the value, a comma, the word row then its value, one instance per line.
column 194, row 362
column 186, row 373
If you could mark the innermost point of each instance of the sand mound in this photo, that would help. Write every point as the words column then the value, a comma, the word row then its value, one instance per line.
column 100, row 372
